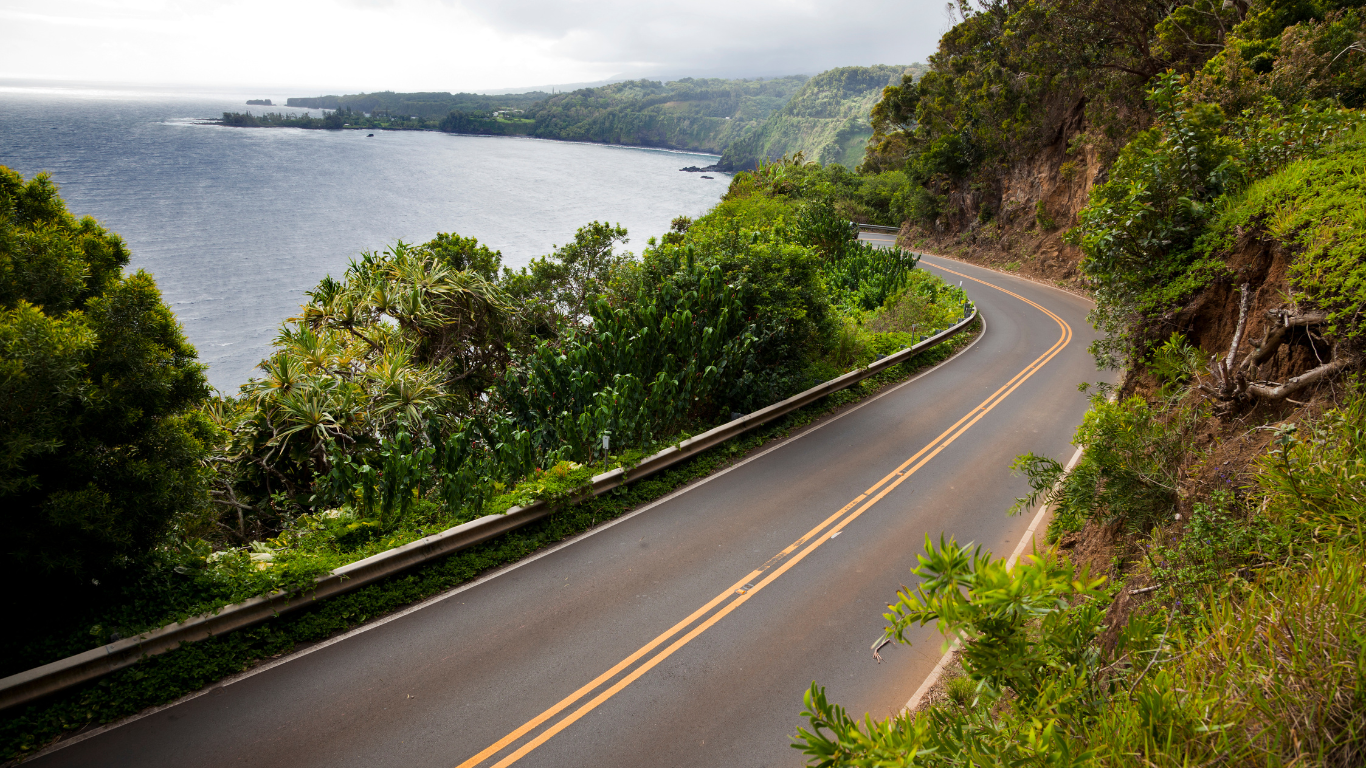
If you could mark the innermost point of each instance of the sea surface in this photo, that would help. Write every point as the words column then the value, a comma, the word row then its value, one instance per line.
column 236, row 223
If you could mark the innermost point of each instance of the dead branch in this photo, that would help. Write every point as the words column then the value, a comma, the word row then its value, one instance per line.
column 1273, row 391
column 1282, row 321
column 1231, row 377
column 229, row 502
column 1242, row 324
column 1302, row 319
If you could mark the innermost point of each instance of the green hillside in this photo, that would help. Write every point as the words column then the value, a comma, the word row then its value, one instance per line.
column 697, row 114
column 827, row 120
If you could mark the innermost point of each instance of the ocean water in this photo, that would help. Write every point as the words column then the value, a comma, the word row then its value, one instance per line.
column 236, row 223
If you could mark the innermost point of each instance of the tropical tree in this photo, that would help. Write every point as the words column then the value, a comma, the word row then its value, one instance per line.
column 404, row 344
column 561, row 289
column 101, row 440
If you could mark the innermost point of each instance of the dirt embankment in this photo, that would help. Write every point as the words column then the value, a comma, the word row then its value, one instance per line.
column 1226, row 439
column 1028, row 208
column 1038, row 200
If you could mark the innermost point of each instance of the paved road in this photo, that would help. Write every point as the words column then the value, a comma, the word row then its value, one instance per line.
column 686, row 634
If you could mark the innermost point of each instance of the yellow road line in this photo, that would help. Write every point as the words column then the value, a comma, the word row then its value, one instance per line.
column 745, row 588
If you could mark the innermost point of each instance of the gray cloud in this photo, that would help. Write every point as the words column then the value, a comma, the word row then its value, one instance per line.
column 725, row 39
column 455, row 44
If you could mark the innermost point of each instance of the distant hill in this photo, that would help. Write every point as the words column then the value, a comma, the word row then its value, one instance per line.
column 825, row 116
column 827, row 120
column 704, row 115
column 433, row 105
column 696, row 114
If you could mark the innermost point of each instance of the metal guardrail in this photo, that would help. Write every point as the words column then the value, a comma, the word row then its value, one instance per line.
column 38, row 682
column 878, row 228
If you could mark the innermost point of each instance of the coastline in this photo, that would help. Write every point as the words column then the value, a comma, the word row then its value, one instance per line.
column 714, row 168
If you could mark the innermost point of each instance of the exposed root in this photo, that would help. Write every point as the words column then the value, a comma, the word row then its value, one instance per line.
column 1273, row 391
column 1232, row 379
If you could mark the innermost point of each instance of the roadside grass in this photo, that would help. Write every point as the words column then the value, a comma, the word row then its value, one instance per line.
column 164, row 678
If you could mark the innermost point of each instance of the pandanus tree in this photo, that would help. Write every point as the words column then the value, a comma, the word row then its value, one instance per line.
column 402, row 340
column 454, row 320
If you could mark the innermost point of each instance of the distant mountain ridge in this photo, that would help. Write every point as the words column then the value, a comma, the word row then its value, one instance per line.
column 427, row 105
column 827, row 120
column 826, row 116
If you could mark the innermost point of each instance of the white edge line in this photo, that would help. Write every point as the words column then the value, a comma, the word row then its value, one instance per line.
column 1002, row 273
column 240, row 676
column 999, row 272
column 1043, row 510
column 944, row 660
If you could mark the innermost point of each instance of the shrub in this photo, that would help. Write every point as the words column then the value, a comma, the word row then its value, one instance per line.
column 1317, row 207
column 1127, row 475
column 1144, row 232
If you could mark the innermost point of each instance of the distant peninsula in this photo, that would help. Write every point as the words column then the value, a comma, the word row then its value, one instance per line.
column 825, row 117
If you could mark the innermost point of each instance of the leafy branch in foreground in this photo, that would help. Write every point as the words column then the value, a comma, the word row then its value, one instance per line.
column 1249, row 656
column 1026, row 636
column 991, row 608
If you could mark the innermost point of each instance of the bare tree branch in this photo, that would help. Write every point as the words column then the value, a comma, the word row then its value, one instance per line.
column 1272, row 391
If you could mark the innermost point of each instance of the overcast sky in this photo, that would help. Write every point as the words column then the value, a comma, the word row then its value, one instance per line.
column 451, row 45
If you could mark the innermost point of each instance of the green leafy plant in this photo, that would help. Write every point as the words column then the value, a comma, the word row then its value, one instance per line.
column 1127, row 475
column 1217, row 544
column 102, row 447
column 1176, row 363
column 1315, row 474
column 1042, row 219
column 1026, row 632
column 384, row 492
column 991, row 608
column 961, row 691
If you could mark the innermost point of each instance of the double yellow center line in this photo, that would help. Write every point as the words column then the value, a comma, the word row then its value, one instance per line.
column 741, row 591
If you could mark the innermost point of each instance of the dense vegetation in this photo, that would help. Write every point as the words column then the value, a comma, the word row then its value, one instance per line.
column 428, row 386
column 1202, row 600
column 1014, row 78
column 825, row 117
column 102, row 441
column 826, row 120
column 866, row 198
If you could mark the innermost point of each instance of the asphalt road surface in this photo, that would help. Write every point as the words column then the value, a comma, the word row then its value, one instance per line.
column 685, row 634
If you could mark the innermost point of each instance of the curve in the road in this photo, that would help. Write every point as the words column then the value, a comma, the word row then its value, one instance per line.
column 741, row 591
column 499, row 667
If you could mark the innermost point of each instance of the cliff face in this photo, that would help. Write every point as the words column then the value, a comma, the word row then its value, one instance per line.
column 1036, row 200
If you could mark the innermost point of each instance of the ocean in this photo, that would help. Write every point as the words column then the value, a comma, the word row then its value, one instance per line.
column 236, row 223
